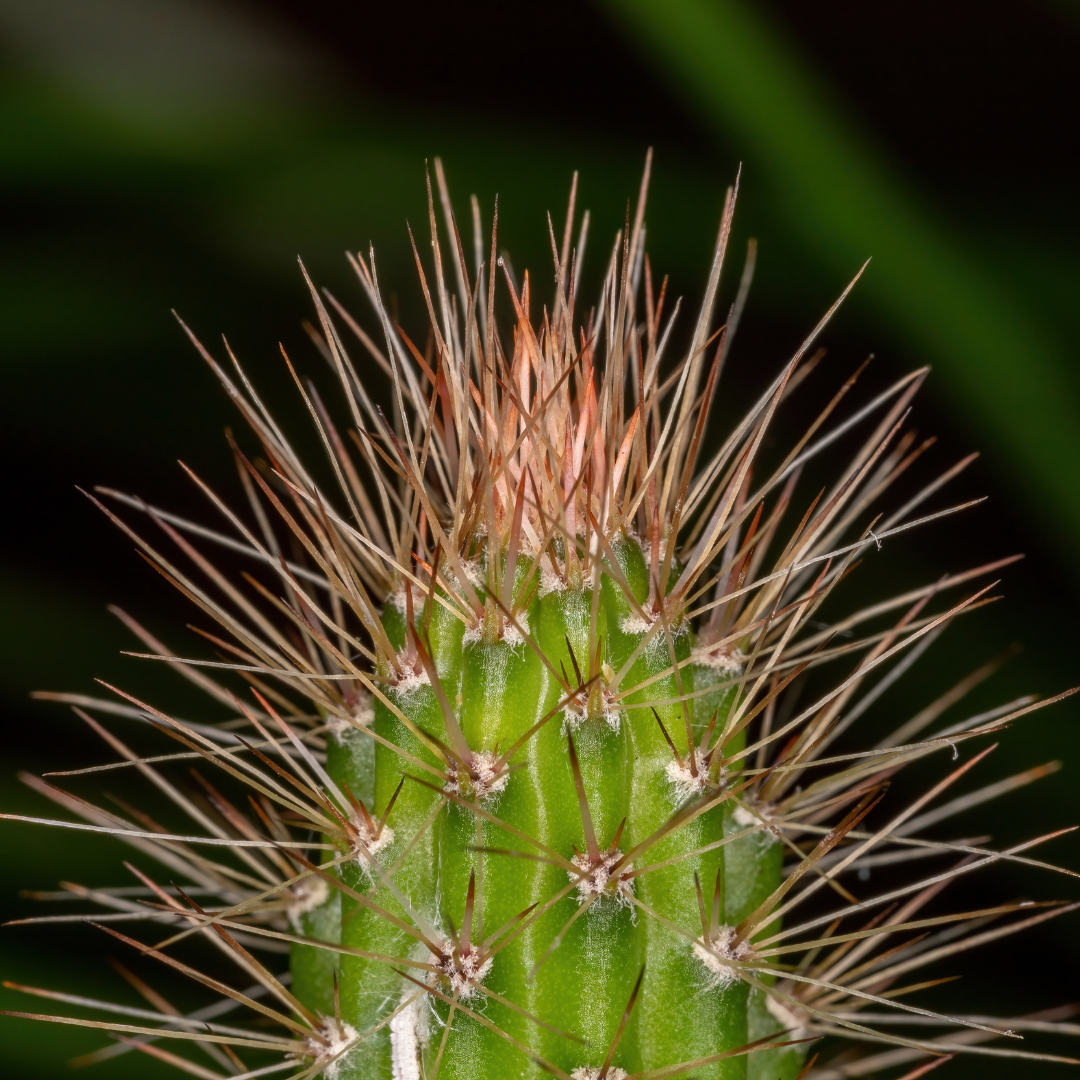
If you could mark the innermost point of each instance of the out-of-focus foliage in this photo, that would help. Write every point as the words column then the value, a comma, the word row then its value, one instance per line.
column 1005, row 365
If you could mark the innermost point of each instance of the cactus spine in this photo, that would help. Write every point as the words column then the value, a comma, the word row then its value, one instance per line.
column 595, row 782
column 529, row 789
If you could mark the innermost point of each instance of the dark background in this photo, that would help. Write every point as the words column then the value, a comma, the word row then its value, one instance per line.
column 159, row 154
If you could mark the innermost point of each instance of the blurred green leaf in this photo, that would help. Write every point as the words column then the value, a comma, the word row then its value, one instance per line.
column 1008, row 376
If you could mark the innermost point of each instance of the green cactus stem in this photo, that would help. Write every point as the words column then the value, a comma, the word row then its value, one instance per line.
column 524, row 775
column 598, row 779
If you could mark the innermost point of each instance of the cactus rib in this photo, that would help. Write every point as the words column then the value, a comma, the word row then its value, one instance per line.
column 527, row 783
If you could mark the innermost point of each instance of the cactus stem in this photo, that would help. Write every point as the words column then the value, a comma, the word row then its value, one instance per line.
column 537, row 556
column 605, row 1069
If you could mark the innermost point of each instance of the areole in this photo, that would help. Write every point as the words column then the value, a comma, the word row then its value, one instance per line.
column 526, row 786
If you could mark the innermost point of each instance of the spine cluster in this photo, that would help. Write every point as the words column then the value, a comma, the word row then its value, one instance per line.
column 536, row 873
column 532, row 761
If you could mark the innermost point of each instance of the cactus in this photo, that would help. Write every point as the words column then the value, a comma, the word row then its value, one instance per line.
column 518, row 774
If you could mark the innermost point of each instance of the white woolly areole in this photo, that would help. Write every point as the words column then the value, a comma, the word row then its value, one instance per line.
column 408, row 1033
column 365, row 853
column 408, row 682
column 396, row 597
column 474, row 570
column 789, row 1020
column 307, row 894
column 362, row 710
column 574, row 715
column 597, row 881
column 362, row 714
column 463, row 973
column 727, row 662
column 747, row 820
column 684, row 784
column 511, row 635
column 592, row 1072
column 646, row 551
column 632, row 623
column 550, row 581
column 337, row 727
column 340, row 1037
column 716, row 957
column 482, row 779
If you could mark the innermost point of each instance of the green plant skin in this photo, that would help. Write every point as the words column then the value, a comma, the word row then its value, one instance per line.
column 708, row 1019
column 752, row 870
column 502, row 691
column 499, row 691
column 350, row 757
column 587, row 981
column 313, row 968
column 370, row 989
